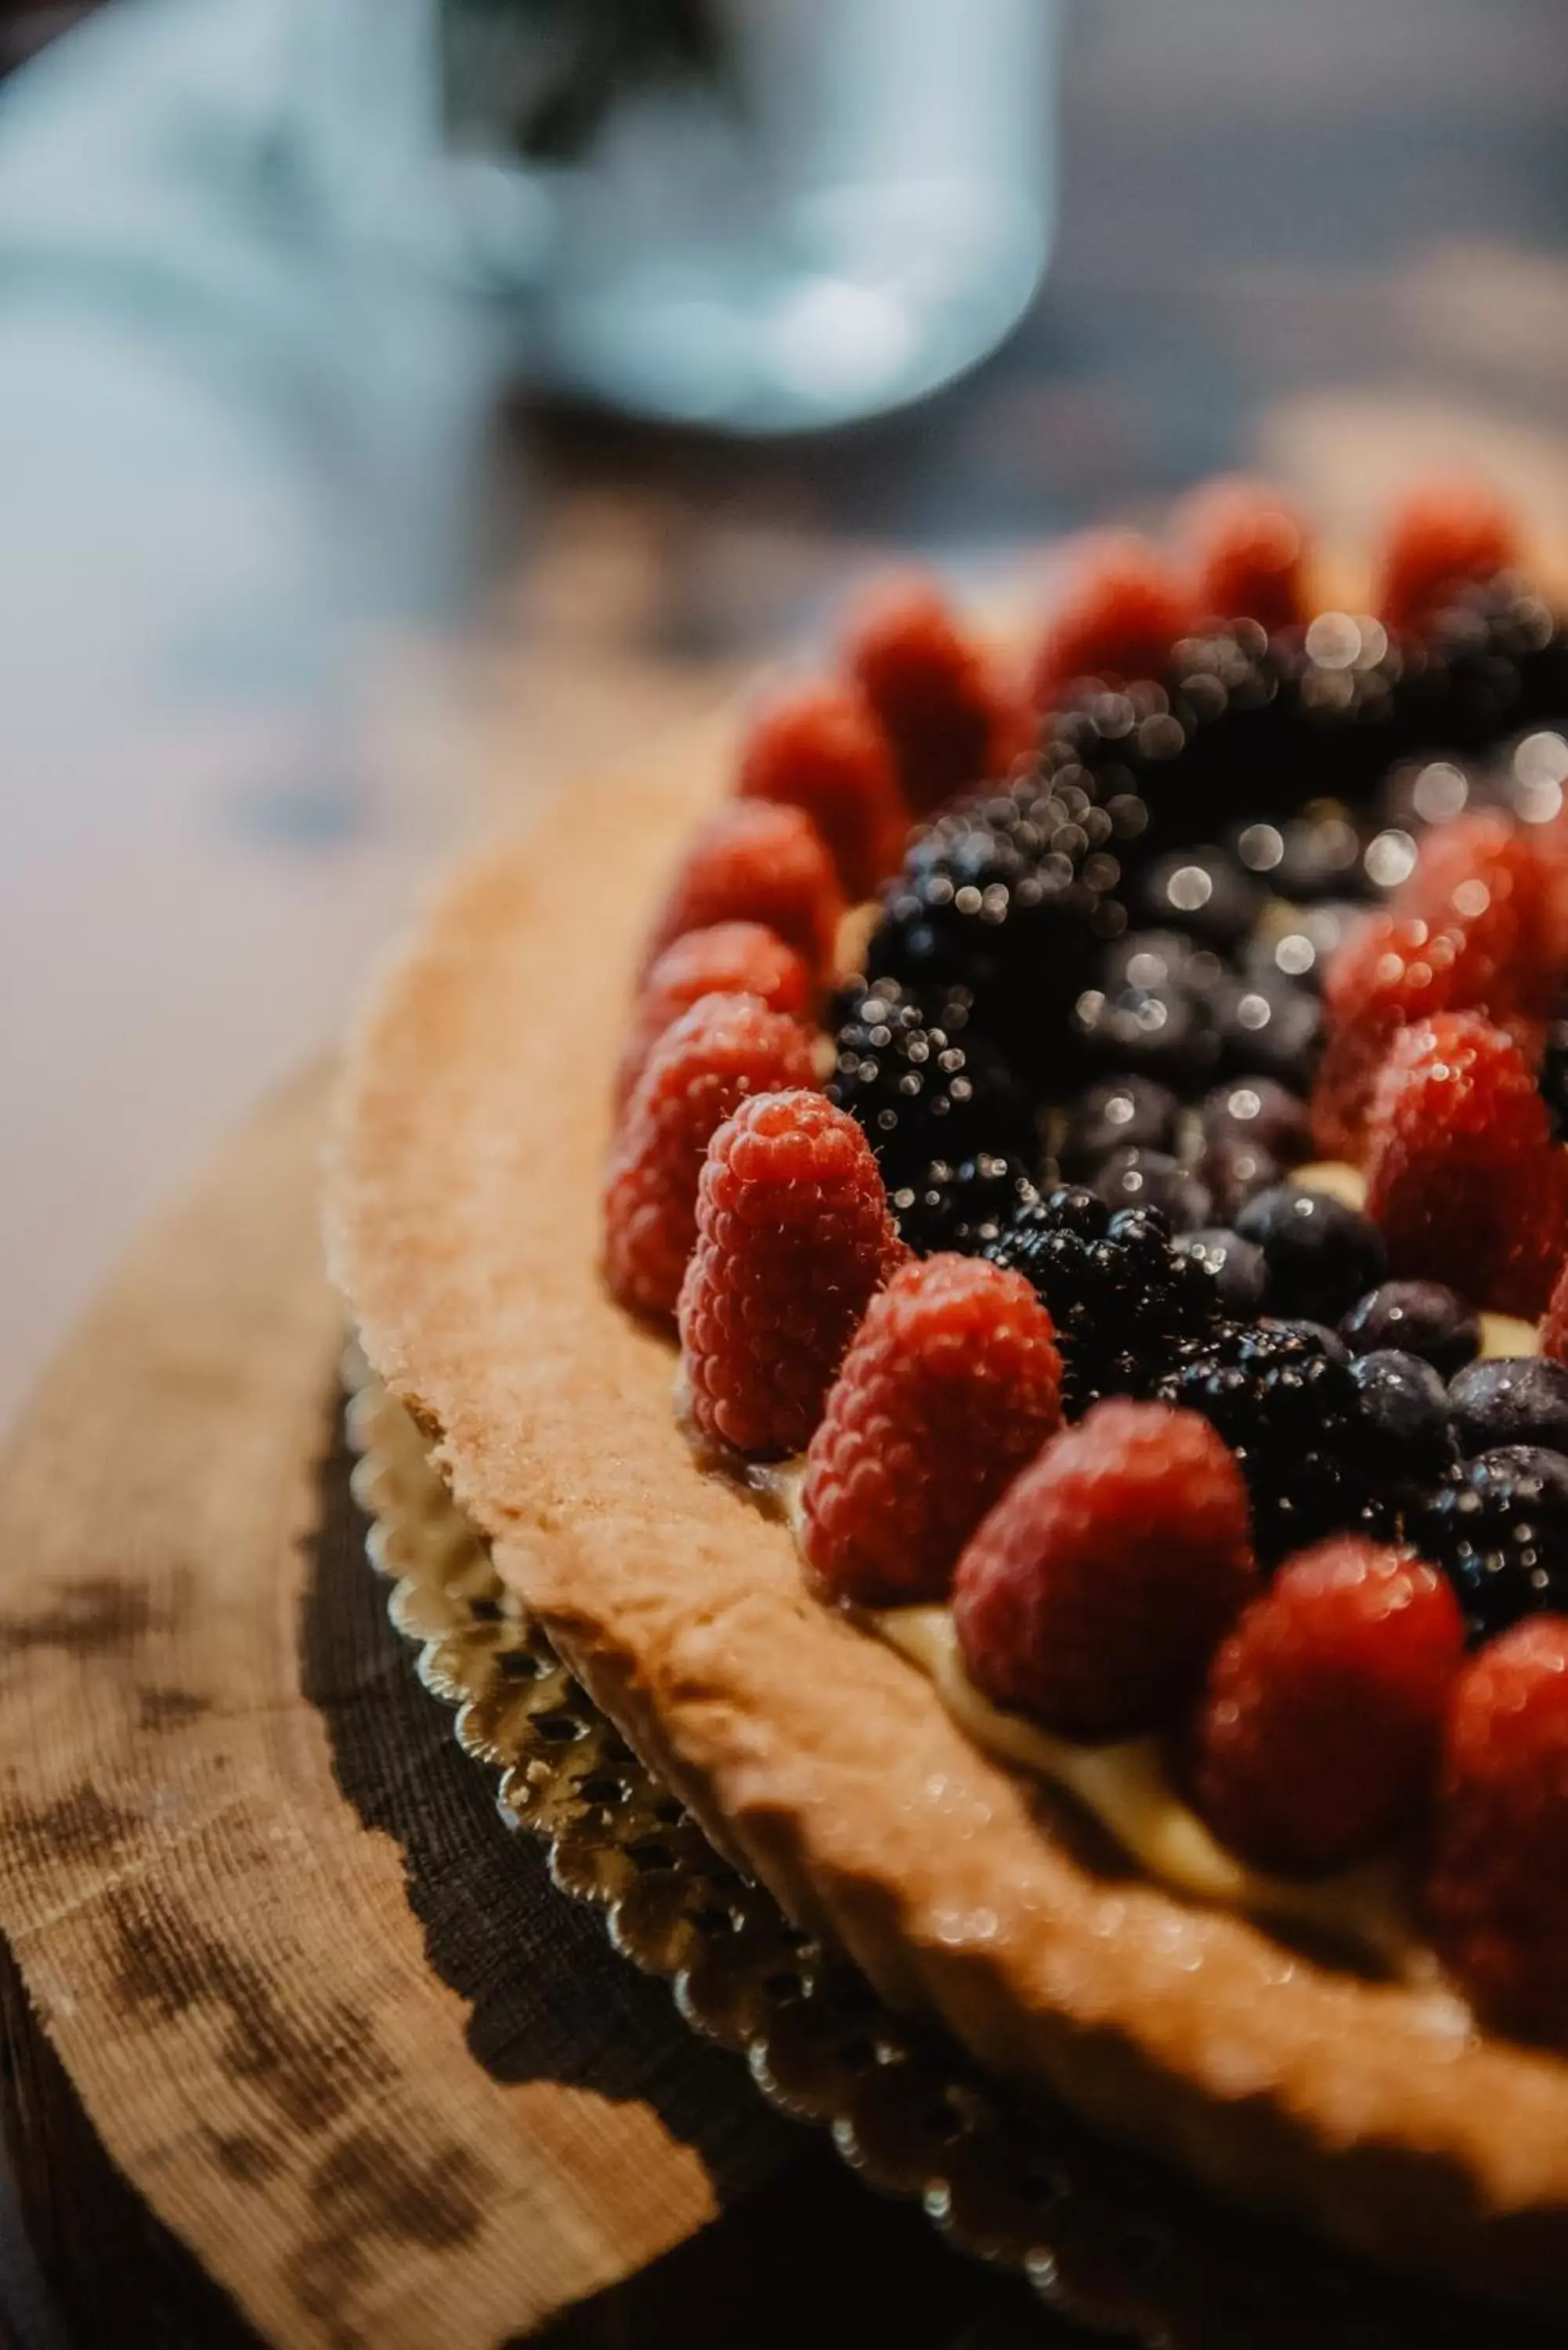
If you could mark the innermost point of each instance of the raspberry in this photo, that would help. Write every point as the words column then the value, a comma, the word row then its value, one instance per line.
column 1444, row 535
column 1096, row 1591
column 793, row 1238
column 1496, row 1896
column 1462, row 1174
column 731, row 959
column 1319, row 1731
column 1118, row 617
column 756, row 861
column 1247, row 545
column 719, row 1051
column 820, row 748
column 1484, row 878
column 1387, row 973
column 950, row 718
column 953, row 1383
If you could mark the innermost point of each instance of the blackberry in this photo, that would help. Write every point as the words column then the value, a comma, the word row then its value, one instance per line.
column 1123, row 1301
column 1498, row 1526
column 963, row 1208
column 1203, row 890
column 1116, row 1114
column 1292, row 1417
column 922, row 1083
column 1007, row 897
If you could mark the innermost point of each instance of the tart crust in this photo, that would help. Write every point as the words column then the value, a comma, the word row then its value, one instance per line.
column 462, row 1219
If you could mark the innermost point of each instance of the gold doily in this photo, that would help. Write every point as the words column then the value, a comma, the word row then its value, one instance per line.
column 1111, row 2242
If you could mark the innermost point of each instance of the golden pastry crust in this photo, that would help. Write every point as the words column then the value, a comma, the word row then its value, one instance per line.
column 463, row 1219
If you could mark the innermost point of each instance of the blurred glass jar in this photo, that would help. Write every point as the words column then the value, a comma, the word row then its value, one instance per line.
column 836, row 207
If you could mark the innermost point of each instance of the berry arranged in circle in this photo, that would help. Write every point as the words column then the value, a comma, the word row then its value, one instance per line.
column 922, row 1082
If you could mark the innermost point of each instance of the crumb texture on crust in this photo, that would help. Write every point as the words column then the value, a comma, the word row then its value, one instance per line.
column 463, row 1197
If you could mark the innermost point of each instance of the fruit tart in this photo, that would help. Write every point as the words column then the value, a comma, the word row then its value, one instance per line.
column 992, row 1270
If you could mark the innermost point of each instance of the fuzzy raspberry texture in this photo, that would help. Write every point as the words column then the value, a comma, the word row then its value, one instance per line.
column 756, row 861
column 794, row 1240
column 951, row 717
column 1248, row 546
column 1121, row 611
column 1461, row 1172
column 720, row 1050
column 953, row 1383
column 1094, row 1593
column 1319, row 1731
column 1497, row 1893
column 1444, row 536
column 821, row 748
column 1490, row 882
column 730, row 959
column 1476, row 927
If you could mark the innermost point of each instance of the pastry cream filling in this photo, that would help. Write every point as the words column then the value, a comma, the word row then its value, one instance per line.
column 1126, row 1787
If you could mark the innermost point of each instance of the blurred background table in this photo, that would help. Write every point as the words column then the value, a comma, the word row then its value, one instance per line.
column 291, row 601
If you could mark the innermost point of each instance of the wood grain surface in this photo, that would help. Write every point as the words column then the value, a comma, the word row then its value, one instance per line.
column 209, row 1897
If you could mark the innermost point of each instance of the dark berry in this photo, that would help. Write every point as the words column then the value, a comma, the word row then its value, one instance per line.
column 1518, row 1400
column 1116, row 1112
column 1009, row 897
column 1292, row 1417
column 922, row 1082
column 1405, row 1405
column 1498, row 1526
column 1418, row 1318
column 1269, row 1025
column 1163, row 1033
column 1203, row 890
column 1259, row 1109
column 1240, row 1272
column 963, row 1208
column 1159, row 958
column 1319, row 1333
column 1131, row 1177
column 1322, row 1255
column 1234, row 1170
column 1124, row 1300
column 1299, row 940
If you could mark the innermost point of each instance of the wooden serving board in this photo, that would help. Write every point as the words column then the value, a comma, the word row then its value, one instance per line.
column 324, row 2014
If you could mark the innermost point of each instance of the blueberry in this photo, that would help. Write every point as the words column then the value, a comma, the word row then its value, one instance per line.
column 1237, row 1268
column 1322, row 1255
column 1269, row 1024
column 1418, row 1318
column 1203, row 890
column 1160, row 1031
column 1118, row 1111
column 1259, row 1110
column 1406, row 1407
column 1131, row 1177
column 1234, row 1169
column 1518, row 1400
column 1497, row 1525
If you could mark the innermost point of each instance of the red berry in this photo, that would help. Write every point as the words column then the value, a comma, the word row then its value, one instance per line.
column 731, row 959
column 821, row 749
column 1094, row 1593
column 1387, row 973
column 1319, row 1731
column 953, row 1383
column 1444, row 535
column 721, row 1049
column 754, row 861
column 793, row 1239
column 1496, row 1896
column 1120, row 612
column 1461, row 1170
column 950, row 717
column 1248, row 546
column 1486, row 878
